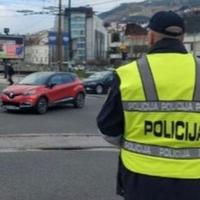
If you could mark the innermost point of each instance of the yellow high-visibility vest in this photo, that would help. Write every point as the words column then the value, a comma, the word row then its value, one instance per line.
column 161, row 101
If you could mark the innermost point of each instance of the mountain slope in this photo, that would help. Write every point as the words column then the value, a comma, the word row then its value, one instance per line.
column 146, row 9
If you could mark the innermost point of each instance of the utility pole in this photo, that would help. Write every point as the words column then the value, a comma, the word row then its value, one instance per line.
column 59, row 37
column 70, row 53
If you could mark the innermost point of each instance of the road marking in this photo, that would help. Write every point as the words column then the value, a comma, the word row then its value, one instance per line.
column 54, row 141
column 14, row 150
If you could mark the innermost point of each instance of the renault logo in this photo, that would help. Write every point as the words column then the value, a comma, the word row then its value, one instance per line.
column 11, row 95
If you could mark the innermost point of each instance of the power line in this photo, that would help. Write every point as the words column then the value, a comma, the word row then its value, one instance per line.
column 104, row 2
column 33, row 24
column 100, row 2
column 95, row 1
column 24, row 2
column 51, row 12
column 47, row 7
column 6, row 2
column 92, row 2
column 16, row 5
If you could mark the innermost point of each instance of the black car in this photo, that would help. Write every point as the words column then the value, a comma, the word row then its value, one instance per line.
column 98, row 82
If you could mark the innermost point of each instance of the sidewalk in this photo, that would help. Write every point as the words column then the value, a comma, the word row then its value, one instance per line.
column 16, row 79
column 3, row 80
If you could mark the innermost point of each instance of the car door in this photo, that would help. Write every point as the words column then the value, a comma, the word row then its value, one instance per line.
column 69, row 86
column 55, row 88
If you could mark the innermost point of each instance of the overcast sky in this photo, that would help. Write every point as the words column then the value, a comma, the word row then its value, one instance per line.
column 19, row 23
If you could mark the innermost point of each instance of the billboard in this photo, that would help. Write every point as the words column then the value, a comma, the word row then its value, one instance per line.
column 11, row 47
column 53, row 38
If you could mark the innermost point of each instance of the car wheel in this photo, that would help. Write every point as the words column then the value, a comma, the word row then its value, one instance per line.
column 99, row 89
column 79, row 100
column 42, row 105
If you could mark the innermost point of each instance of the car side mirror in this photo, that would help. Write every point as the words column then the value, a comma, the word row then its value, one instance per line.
column 51, row 85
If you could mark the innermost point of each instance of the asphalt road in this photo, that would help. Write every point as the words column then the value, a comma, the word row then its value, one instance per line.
column 58, row 175
column 62, row 174
column 61, row 119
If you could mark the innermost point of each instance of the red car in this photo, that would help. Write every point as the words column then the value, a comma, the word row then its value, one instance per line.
column 43, row 89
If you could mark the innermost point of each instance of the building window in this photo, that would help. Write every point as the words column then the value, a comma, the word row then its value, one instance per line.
column 82, row 58
column 78, row 26
column 115, row 37
column 81, row 45
column 82, row 32
column 81, row 39
column 80, row 18
column 81, row 51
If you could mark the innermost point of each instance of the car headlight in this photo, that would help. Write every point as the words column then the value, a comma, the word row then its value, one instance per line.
column 29, row 93
column 92, row 83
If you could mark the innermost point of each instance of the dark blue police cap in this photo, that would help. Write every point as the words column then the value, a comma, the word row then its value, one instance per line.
column 162, row 20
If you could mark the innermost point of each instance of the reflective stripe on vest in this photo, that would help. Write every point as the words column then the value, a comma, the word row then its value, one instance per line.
column 164, row 152
column 147, row 79
column 161, row 106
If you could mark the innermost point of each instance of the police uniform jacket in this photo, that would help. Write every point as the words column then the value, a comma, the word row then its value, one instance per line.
column 135, row 185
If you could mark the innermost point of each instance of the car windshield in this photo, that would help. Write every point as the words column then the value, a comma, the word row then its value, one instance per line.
column 35, row 79
column 99, row 74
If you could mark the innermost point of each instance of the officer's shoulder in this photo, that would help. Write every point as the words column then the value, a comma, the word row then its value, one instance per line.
column 127, row 66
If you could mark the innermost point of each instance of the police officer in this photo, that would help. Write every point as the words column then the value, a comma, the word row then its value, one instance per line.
column 153, row 113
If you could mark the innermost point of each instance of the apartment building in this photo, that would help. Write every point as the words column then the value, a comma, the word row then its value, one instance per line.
column 37, row 48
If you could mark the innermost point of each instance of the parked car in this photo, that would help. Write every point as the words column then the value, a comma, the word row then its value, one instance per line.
column 41, row 90
column 98, row 82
